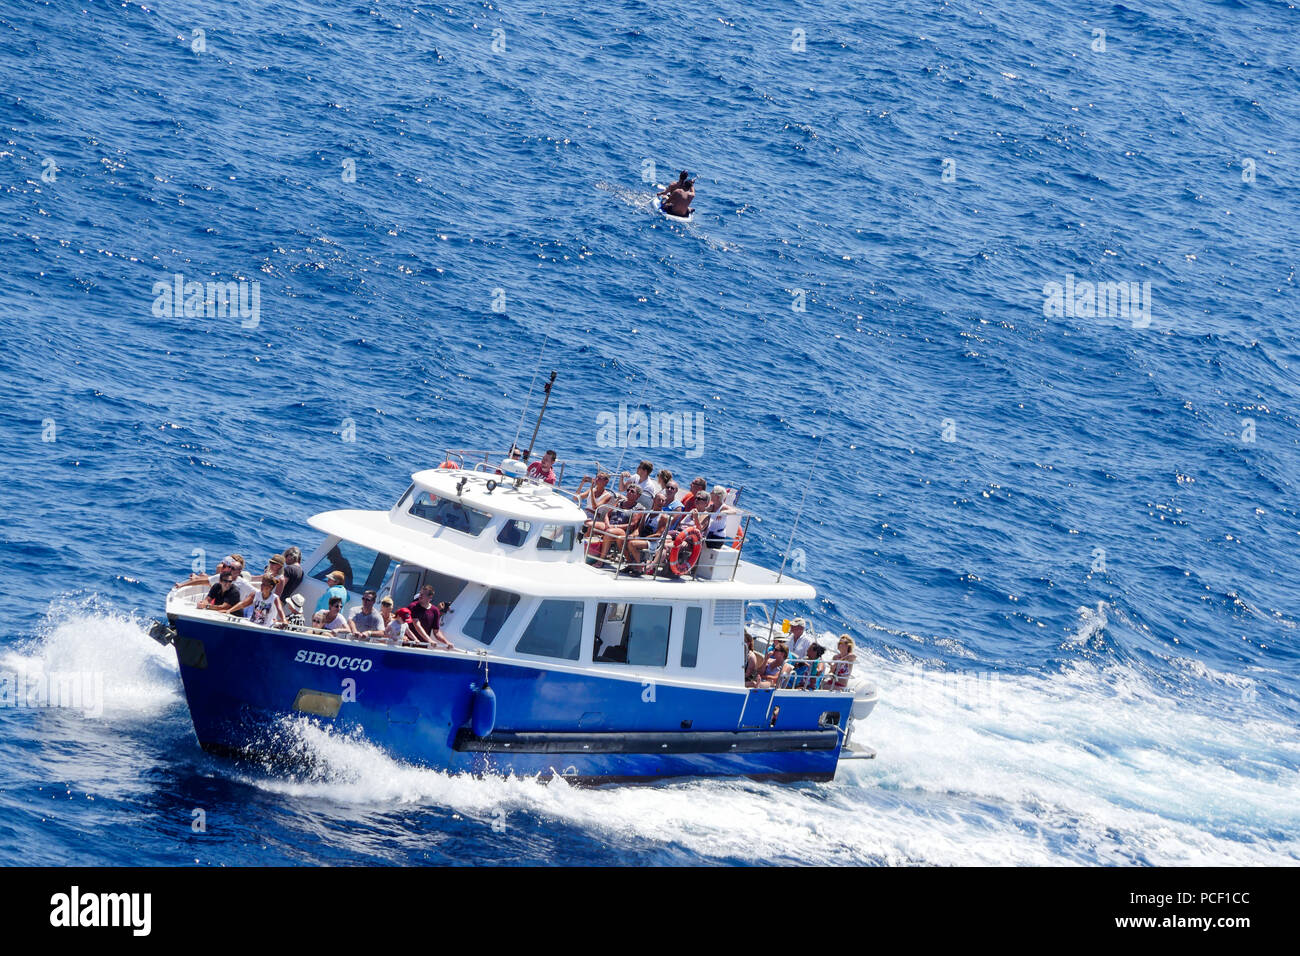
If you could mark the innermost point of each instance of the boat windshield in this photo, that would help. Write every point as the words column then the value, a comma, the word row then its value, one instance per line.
column 449, row 514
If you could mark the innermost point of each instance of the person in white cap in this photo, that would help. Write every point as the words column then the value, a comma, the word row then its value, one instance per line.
column 799, row 641
column 293, row 611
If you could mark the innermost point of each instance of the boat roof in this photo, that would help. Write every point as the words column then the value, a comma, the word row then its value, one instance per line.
column 526, row 499
column 446, row 554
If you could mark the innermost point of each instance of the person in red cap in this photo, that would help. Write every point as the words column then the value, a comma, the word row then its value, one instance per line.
column 395, row 624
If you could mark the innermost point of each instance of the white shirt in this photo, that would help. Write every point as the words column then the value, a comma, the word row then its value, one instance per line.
column 799, row 645
column 243, row 583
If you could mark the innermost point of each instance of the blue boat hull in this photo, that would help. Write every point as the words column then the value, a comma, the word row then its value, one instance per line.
column 241, row 683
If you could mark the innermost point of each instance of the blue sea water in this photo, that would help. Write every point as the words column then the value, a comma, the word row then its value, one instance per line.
column 1066, row 543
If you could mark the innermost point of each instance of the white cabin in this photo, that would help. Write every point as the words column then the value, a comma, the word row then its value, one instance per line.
column 507, row 554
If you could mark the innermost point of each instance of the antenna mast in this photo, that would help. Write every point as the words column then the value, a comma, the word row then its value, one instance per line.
column 546, row 398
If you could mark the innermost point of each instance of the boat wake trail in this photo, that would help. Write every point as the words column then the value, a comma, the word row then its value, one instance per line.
column 100, row 655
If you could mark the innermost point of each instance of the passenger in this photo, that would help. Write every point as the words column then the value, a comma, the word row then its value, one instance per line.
column 642, row 549
column 295, row 605
column 293, row 573
column 697, row 489
column 774, row 671
column 648, row 484
column 597, row 496
column 275, row 570
column 543, row 470
column 247, row 591
column 817, row 668
column 397, row 630
column 223, row 595
column 752, row 662
column 800, row 642
column 207, row 579
column 716, row 536
column 672, row 506
column 265, row 608
column 333, row 619
column 663, row 478
column 842, row 664
column 623, row 522
column 336, row 589
column 426, row 620
column 366, row 621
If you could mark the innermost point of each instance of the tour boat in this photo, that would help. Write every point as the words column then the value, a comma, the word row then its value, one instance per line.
column 560, row 667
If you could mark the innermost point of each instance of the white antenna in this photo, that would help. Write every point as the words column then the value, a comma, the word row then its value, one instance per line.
column 523, row 412
column 812, row 472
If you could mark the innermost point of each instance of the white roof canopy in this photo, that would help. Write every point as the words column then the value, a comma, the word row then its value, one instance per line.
column 444, row 552
column 529, row 501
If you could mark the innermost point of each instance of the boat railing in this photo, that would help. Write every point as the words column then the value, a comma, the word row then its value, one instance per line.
column 607, row 547
column 820, row 675
column 188, row 597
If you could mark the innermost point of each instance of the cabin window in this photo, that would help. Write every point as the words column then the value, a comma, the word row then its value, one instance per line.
column 632, row 634
column 449, row 514
column 691, row 636
column 513, row 532
column 407, row 583
column 492, row 611
column 554, row 631
column 556, row 537
column 362, row 568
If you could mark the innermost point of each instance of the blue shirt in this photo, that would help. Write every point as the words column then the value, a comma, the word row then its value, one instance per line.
column 338, row 591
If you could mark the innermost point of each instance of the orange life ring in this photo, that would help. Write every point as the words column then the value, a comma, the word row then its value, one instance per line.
column 449, row 465
column 740, row 536
column 693, row 542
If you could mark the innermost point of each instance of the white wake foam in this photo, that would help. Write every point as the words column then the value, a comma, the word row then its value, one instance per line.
column 99, row 650
column 1092, row 765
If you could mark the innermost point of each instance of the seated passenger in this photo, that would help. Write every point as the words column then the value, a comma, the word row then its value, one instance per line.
column 752, row 662
column 247, row 590
column 698, row 487
column 294, row 614
column 365, row 621
column 543, row 470
column 673, row 506
column 817, row 668
column 207, row 579
column 265, row 608
column 800, row 641
column 621, row 522
column 333, row 619
column 223, row 595
column 595, row 497
column 645, row 545
column 396, row 631
column 335, row 590
column 719, row 512
column 648, row 484
column 773, row 671
column 842, row 664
